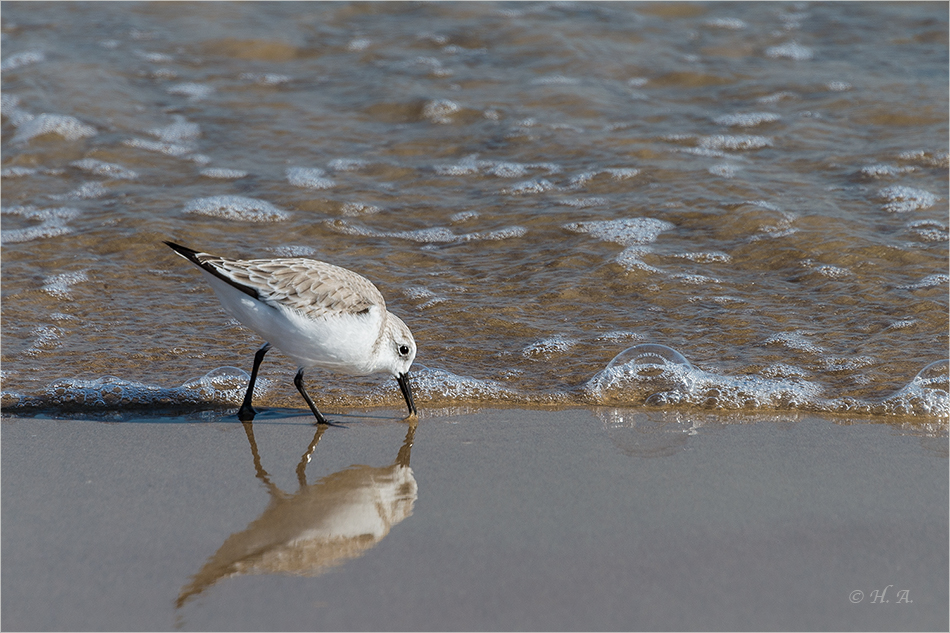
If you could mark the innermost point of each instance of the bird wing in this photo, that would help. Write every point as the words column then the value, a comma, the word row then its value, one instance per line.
column 312, row 288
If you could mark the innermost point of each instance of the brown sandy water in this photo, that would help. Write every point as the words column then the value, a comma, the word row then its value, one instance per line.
column 534, row 188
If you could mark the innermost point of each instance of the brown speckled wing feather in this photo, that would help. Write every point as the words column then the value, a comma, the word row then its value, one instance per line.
column 315, row 289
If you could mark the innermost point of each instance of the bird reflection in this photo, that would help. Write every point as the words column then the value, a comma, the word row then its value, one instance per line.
column 320, row 526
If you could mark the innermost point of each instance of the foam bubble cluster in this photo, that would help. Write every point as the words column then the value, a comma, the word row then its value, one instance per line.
column 500, row 169
column 441, row 385
column 928, row 393
column 440, row 110
column 309, row 178
column 102, row 168
column 221, row 386
column 735, row 142
column 748, row 119
column 633, row 233
column 223, row 173
column 51, row 223
column 59, row 285
column 548, row 347
column 660, row 376
column 791, row 50
column 68, row 127
column 18, row 60
column 901, row 199
column 236, row 208
column 177, row 132
column 657, row 369
column 623, row 231
column 433, row 235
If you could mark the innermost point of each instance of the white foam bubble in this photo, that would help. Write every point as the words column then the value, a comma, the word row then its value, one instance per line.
column 735, row 142
column 309, row 178
column 924, row 157
column 59, row 285
column 794, row 340
column 194, row 91
column 358, row 44
column 732, row 24
column 68, row 127
column 169, row 149
column 724, row 170
column 347, row 164
column 622, row 173
column 838, row 86
column 746, row 119
column 294, row 251
column 507, row 170
column 623, row 231
column 631, row 258
column 706, row 257
column 647, row 367
column 102, row 168
column 551, row 80
column 177, row 132
column 927, row 394
column 776, row 97
column 695, row 279
column 48, row 338
column 549, row 346
column 828, row 270
column 224, row 385
column 616, row 173
column 431, row 235
column 881, row 170
column 658, row 375
column 538, row 185
column 468, row 165
column 930, row 281
column 266, row 79
column 783, row 370
column 52, row 223
column 223, row 173
column 86, row 191
column 464, row 216
column 790, row 50
column 353, row 209
column 11, row 110
column 930, row 230
column 19, row 60
column 440, row 384
column 619, row 335
column 236, row 208
column 17, row 171
column 424, row 296
column 901, row 199
column 631, row 232
column 440, row 110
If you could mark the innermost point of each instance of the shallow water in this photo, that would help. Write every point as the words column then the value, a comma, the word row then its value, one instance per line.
column 760, row 187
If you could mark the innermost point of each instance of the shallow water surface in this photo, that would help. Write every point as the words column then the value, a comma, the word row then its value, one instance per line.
column 535, row 187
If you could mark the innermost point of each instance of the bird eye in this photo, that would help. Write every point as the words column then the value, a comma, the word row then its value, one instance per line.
column 403, row 350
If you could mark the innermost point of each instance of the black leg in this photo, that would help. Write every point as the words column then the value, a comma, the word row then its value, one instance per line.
column 247, row 412
column 298, row 382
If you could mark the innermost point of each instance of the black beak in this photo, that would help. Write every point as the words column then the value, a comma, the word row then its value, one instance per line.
column 403, row 380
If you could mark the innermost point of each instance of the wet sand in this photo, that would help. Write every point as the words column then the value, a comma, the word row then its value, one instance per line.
column 497, row 519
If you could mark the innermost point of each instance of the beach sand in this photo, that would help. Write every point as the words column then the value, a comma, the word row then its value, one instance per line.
column 505, row 519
